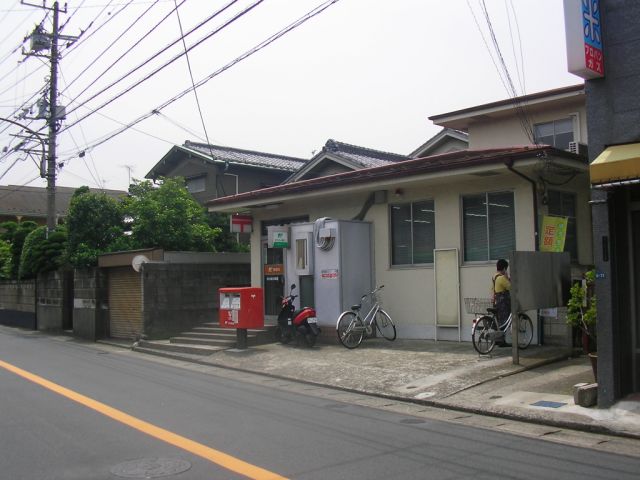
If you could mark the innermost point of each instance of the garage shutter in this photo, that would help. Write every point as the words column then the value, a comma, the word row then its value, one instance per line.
column 125, row 302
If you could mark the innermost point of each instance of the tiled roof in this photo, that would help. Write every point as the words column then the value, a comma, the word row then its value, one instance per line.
column 366, row 157
column 393, row 170
column 247, row 157
column 24, row 201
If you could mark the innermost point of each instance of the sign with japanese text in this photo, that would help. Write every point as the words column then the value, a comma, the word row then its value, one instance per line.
column 241, row 223
column 554, row 233
column 583, row 29
column 274, row 269
column 280, row 240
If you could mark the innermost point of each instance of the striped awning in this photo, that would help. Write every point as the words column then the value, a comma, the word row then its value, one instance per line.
column 618, row 164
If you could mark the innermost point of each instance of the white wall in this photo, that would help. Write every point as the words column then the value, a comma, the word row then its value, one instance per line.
column 495, row 132
column 408, row 295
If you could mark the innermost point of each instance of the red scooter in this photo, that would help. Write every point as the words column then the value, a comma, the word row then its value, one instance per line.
column 301, row 326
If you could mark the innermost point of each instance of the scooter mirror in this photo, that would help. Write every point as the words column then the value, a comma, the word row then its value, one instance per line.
column 293, row 286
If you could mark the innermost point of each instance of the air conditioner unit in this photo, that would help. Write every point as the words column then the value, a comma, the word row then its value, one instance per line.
column 578, row 148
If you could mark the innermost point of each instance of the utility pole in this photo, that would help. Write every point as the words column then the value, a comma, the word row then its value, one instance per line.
column 41, row 40
column 53, row 128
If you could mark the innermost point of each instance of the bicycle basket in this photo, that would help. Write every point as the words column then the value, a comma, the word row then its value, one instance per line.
column 477, row 305
column 376, row 297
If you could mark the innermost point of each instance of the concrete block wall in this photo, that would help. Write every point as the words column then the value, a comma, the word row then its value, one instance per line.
column 177, row 297
column 90, row 303
column 50, row 302
column 18, row 303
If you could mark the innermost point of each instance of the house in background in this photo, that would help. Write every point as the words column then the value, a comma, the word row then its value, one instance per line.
column 445, row 141
column 339, row 157
column 20, row 203
column 212, row 171
column 475, row 204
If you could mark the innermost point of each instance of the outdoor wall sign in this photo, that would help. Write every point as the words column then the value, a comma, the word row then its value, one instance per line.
column 585, row 57
column 554, row 233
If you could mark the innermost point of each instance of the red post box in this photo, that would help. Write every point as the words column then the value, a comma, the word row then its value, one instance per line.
column 241, row 307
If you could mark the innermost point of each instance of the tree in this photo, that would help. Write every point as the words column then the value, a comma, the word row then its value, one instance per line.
column 15, row 233
column 167, row 217
column 42, row 252
column 5, row 260
column 95, row 224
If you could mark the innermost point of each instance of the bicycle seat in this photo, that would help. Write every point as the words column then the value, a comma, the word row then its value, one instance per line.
column 355, row 308
column 492, row 311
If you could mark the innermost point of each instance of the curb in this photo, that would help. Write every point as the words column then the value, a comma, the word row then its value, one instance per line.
column 566, row 424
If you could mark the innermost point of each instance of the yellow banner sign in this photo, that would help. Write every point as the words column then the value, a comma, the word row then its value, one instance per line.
column 554, row 233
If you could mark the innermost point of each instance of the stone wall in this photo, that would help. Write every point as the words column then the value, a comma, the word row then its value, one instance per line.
column 18, row 303
column 177, row 297
column 90, row 303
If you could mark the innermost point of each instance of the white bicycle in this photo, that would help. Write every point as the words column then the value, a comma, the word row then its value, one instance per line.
column 352, row 328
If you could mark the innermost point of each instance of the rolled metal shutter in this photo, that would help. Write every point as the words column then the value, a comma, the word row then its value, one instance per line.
column 125, row 302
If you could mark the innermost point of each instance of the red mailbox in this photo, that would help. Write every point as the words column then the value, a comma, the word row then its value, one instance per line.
column 241, row 307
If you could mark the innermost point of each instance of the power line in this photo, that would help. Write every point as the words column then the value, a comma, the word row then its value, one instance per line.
column 157, row 70
column 309, row 15
column 195, row 93
column 521, row 112
column 128, row 51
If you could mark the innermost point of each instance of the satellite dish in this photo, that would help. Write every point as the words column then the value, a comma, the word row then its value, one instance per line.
column 137, row 262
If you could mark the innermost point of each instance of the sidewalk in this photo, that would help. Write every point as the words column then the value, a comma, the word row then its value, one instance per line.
column 445, row 374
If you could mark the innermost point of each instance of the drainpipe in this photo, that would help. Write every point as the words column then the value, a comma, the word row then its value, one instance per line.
column 536, row 233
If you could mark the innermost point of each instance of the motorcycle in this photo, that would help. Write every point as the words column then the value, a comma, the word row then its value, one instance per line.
column 301, row 326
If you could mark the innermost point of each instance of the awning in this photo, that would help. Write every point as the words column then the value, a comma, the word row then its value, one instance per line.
column 617, row 164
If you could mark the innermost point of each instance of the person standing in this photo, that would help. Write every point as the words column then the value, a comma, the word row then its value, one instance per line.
column 502, row 293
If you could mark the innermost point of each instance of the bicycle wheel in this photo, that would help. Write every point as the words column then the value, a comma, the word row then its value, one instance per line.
column 350, row 330
column 483, row 335
column 385, row 325
column 525, row 330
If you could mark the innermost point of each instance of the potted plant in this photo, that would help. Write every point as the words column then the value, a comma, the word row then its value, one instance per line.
column 581, row 314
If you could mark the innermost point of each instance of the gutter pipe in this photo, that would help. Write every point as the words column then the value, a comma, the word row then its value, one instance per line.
column 536, row 233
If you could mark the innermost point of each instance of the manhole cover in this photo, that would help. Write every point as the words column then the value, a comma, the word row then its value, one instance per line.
column 412, row 421
column 548, row 404
column 151, row 468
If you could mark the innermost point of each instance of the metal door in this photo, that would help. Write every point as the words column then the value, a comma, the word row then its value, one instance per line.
column 125, row 303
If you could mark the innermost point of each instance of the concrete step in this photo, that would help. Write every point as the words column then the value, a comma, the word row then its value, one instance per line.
column 204, row 335
column 224, row 342
column 165, row 345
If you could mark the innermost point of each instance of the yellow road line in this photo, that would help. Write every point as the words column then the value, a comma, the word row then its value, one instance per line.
column 220, row 458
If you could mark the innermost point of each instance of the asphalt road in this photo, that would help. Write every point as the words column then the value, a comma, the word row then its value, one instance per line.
column 70, row 410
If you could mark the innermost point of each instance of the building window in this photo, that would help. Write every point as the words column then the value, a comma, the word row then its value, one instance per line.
column 412, row 233
column 563, row 204
column 557, row 133
column 196, row 184
column 489, row 227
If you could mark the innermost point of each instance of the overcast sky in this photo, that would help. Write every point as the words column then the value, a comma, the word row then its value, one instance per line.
column 366, row 72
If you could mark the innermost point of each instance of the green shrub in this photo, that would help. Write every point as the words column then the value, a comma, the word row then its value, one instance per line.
column 41, row 254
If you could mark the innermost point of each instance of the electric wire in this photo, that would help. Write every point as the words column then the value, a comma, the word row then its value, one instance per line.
column 128, row 51
column 166, row 64
column 195, row 93
column 486, row 44
column 309, row 15
column 76, row 45
column 515, row 18
column 520, row 75
column 173, row 122
column 522, row 114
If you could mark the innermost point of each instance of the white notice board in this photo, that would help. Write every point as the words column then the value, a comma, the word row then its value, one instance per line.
column 447, row 283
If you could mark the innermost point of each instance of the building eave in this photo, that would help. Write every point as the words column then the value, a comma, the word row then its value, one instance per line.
column 454, row 163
